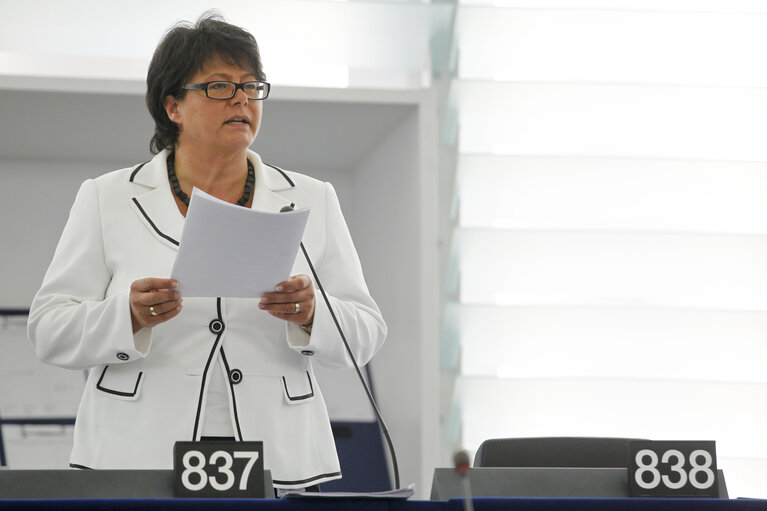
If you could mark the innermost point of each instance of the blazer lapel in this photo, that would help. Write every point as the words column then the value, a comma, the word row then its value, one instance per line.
column 273, row 191
column 268, row 183
column 159, row 213
column 156, row 207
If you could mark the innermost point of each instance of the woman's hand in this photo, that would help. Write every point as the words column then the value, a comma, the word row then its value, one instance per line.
column 293, row 301
column 153, row 301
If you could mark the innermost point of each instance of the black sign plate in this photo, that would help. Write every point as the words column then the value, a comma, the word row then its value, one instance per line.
column 218, row 469
column 673, row 469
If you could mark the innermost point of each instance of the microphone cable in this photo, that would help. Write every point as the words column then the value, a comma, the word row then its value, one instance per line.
column 379, row 418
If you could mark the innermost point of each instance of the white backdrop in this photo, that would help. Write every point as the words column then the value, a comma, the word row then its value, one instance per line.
column 612, row 239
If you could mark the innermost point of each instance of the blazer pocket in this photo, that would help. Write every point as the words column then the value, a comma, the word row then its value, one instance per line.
column 298, row 389
column 120, row 382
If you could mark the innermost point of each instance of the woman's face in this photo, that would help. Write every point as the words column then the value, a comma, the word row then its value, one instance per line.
column 213, row 124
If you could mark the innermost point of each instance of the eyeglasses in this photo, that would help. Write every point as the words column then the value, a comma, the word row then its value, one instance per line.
column 227, row 90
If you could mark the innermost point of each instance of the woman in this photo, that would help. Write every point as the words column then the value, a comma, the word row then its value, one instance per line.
column 163, row 367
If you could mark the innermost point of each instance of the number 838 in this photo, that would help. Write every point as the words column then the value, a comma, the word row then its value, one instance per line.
column 676, row 462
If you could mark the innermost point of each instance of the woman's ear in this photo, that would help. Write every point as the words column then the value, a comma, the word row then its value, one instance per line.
column 171, row 108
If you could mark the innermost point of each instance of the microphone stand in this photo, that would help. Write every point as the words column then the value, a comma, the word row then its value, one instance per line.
column 365, row 386
column 462, row 468
column 379, row 418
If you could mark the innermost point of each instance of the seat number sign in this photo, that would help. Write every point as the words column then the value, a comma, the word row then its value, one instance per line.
column 673, row 469
column 218, row 469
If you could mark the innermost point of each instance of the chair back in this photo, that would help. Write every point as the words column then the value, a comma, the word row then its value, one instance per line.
column 584, row 452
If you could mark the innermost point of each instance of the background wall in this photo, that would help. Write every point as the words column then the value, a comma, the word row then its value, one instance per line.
column 597, row 209
column 72, row 108
column 611, row 237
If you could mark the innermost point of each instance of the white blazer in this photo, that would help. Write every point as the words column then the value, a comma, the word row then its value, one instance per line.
column 148, row 390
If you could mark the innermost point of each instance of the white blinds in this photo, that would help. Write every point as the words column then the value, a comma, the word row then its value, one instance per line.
column 645, row 194
column 712, row 123
column 612, row 235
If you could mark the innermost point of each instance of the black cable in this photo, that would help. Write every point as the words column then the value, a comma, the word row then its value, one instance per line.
column 381, row 422
column 3, row 462
column 14, row 312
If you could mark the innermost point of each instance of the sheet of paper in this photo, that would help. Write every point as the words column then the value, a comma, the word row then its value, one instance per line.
column 398, row 494
column 228, row 250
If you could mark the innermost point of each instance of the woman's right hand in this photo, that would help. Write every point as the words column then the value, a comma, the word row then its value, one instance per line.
column 153, row 301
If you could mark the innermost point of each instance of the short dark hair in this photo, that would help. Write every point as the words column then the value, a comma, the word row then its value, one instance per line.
column 183, row 51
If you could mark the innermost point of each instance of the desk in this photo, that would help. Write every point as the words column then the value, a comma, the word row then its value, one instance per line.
column 543, row 504
column 480, row 504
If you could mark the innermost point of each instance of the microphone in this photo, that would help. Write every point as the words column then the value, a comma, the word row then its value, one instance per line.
column 379, row 418
column 462, row 468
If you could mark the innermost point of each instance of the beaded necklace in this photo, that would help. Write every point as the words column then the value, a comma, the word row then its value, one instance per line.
column 251, row 179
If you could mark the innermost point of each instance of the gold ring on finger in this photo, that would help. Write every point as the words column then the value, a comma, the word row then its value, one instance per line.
column 298, row 308
column 152, row 311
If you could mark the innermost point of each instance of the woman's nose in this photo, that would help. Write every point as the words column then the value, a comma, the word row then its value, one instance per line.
column 239, row 96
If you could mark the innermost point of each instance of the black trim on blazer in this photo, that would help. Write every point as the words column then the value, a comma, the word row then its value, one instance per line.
column 205, row 372
column 234, row 399
column 158, row 231
column 81, row 467
column 292, row 184
column 117, row 392
column 311, row 479
column 299, row 398
column 133, row 174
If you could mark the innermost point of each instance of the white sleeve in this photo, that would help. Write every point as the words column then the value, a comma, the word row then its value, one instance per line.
column 340, row 273
column 71, row 323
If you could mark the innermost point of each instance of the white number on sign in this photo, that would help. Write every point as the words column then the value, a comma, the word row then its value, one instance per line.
column 196, row 468
column 705, row 468
column 222, row 469
column 194, row 463
column 677, row 466
column 252, row 458
column 647, row 468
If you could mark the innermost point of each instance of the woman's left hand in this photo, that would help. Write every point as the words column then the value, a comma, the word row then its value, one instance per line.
column 293, row 301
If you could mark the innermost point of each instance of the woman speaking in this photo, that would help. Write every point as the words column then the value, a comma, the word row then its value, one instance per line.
column 163, row 367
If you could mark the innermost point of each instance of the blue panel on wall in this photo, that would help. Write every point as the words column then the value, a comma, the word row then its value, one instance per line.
column 361, row 453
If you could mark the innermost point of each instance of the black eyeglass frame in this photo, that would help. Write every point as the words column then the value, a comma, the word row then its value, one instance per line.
column 237, row 86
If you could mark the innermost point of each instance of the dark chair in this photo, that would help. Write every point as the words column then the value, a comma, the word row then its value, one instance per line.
column 571, row 452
